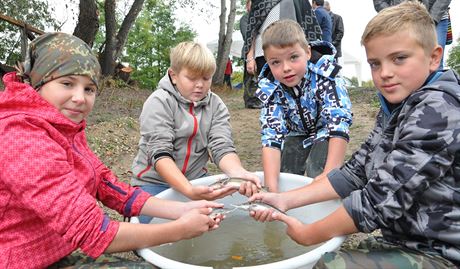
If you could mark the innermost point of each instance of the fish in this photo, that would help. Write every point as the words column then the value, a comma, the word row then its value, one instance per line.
column 234, row 182
column 221, row 211
column 257, row 205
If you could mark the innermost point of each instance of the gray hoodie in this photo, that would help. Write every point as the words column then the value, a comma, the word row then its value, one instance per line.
column 188, row 132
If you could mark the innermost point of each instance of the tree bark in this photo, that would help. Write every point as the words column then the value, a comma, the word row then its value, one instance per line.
column 225, row 40
column 107, row 59
column 114, row 42
column 88, row 21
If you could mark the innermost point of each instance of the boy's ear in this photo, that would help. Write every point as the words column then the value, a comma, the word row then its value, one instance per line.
column 308, row 51
column 172, row 75
column 435, row 58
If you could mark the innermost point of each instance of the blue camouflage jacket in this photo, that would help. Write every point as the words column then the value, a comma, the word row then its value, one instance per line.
column 319, row 106
column 405, row 178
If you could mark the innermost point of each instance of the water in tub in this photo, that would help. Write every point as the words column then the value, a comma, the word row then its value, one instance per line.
column 240, row 241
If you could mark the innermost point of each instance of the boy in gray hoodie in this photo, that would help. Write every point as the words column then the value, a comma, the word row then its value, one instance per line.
column 182, row 125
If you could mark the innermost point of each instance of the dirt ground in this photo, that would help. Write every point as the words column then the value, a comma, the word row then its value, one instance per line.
column 113, row 129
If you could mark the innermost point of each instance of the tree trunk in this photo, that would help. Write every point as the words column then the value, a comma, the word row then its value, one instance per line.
column 114, row 43
column 88, row 21
column 225, row 40
column 107, row 58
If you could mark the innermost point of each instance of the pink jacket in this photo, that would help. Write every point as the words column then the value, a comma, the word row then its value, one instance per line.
column 49, row 183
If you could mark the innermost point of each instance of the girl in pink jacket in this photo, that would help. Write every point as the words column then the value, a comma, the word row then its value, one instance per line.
column 50, row 180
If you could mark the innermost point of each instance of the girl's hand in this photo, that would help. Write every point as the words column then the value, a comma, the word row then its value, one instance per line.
column 188, row 206
column 195, row 222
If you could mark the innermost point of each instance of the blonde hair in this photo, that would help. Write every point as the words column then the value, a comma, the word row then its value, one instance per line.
column 283, row 33
column 197, row 58
column 410, row 16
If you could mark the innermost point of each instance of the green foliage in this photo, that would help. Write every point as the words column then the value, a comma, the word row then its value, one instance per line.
column 367, row 84
column 237, row 77
column 150, row 40
column 454, row 57
column 36, row 13
column 99, row 41
column 354, row 82
column 240, row 10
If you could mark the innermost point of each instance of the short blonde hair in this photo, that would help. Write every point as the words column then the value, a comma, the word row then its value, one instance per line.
column 410, row 16
column 197, row 58
column 283, row 33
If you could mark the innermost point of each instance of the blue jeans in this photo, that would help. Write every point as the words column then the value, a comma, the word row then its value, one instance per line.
column 441, row 32
column 153, row 189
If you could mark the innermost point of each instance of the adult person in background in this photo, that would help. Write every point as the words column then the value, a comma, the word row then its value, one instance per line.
column 324, row 19
column 337, row 30
column 249, row 80
column 438, row 10
column 265, row 12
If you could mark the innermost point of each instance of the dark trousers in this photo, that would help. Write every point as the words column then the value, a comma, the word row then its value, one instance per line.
column 250, row 85
column 228, row 80
column 296, row 159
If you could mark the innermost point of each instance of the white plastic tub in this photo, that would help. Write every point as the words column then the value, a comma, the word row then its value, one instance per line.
column 306, row 214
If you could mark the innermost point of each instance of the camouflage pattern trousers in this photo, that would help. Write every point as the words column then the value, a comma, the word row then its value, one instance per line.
column 78, row 260
column 374, row 252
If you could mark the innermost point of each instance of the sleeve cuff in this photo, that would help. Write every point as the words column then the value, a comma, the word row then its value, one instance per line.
column 273, row 144
column 340, row 134
column 136, row 202
column 105, row 239
column 340, row 183
column 219, row 157
column 139, row 202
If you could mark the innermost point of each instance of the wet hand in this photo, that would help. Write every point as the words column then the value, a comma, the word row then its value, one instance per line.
column 248, row 189
column 200, row 204
column 252, row 184
column 208, row 193
column 196, row 222
column 262, row 215
column 296, row 230
column 271, row 198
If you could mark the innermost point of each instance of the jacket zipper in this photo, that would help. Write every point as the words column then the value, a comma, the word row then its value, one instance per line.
column 84, row 157
column 190, row 139
column 296, row 94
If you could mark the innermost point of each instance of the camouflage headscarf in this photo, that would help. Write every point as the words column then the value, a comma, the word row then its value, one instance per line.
column 55, row 55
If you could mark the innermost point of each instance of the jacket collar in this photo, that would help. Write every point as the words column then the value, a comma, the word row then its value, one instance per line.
column 167, row 85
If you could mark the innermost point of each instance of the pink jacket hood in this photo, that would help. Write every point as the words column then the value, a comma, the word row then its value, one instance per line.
column 26, row 100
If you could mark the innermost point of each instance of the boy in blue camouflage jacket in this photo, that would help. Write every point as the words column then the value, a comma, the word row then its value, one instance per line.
column 301, row 96
column 405, row 178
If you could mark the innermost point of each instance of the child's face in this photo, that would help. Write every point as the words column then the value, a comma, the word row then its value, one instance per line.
column 192, row 86
column 73, row 96
column 399, row 65
column 288, row 64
